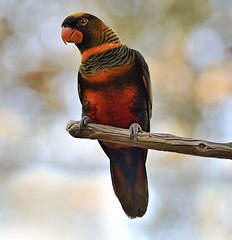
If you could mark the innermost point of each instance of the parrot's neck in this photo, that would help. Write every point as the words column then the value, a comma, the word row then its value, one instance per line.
column 98, row 50
column 118, row 55
column 107, row 38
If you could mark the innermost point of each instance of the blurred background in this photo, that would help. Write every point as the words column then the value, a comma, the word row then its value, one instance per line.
column 55, row 187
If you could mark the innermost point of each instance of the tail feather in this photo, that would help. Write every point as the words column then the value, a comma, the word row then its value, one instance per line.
column 133, row 198
column 129, row 178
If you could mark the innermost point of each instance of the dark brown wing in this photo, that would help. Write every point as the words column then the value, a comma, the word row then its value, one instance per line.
column 145, row 79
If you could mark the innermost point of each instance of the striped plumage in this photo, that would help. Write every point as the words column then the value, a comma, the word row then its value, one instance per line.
column 119, row 56
column 114, row 89
column 109, row 36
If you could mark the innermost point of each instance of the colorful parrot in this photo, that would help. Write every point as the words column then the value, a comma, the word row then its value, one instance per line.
column 114, row 88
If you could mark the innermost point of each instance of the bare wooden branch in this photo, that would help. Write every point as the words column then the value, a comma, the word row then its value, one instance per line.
column 156, row 141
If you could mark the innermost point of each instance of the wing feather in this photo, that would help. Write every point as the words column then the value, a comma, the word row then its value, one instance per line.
column 146, row 79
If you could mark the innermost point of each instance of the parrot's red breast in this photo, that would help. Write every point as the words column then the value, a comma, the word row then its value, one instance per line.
column 114, row 89
column 111, row 108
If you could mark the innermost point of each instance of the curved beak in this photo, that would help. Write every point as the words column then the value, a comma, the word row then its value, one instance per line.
column 71, row 35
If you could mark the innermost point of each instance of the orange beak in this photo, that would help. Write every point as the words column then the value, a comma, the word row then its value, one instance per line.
column 71, row 35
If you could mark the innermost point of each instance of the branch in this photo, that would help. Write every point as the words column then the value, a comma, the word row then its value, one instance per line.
column 156, row 141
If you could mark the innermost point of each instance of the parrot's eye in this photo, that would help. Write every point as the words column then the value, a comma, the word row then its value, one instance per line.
column 83, row 21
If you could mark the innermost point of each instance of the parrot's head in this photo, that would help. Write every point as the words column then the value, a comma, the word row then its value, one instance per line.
column 86, row 31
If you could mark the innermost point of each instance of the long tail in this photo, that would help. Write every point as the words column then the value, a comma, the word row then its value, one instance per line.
column 129, row 178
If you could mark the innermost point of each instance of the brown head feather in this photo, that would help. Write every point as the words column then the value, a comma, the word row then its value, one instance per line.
column 95, row 32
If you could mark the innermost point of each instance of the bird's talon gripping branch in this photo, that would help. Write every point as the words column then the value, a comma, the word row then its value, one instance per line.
column 84, row 121
column 134, row 129
column 70, row 124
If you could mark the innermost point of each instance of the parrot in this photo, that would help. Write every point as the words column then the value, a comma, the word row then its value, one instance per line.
column 114, row 88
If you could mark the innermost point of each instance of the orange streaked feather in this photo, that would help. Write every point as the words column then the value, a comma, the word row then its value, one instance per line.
column 144, row 81
column 99, row 49
column 105, row 76
column 79, row 89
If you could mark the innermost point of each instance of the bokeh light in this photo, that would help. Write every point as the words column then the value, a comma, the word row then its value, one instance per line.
column 53, row 186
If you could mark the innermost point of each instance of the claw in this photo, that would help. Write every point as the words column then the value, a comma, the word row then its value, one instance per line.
column 134, row 129
column 84, row 121
column 70, row 124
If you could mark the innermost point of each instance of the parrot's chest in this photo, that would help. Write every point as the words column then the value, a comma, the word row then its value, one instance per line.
column 111, row 106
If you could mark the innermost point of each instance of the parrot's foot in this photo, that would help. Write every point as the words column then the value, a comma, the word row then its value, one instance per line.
column 134, row 129
column 84, row 121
